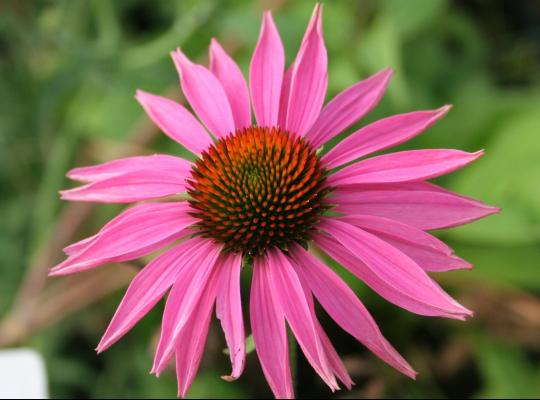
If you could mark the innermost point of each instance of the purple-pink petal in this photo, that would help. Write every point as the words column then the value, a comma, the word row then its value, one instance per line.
column 192, row 338
column 233, row 82
column 156, row 162
column 175, row 121
column 269, row 332
column 348, row 107
column 418, row 204
column 130, row 187
column 427, row 251
column 143, row 229
column 381, row 135
column 206, row 95
column 343, row 306
column 146, row 289
column 289, row 293
column 334, row 360
column 266, row 73
column 308, row 80
column 390, row 272
column 229, row 311
column 184, row 298
column 403, row 166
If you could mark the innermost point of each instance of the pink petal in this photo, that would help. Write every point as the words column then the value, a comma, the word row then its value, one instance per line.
column 192, row 338
column 389, row 272
column 205, row 95
column 269, row 332
column 422, row 205
column 284, row 100
column 130, row 187
column 309, row 79
column 156, row 162
column 175, row 121
column 183, row 300
column 343, row 306
column 266, row 73
column 286, row 84
column 229, row 311
column 289, row 293
column 143, row 229
column 233, row 82
column 427, row 259
column 348, row 107
column 191, row 343
column 381, row 135
column 148, row 287
column 334, row 360
column 78, row 246
column 404, row 166
column 81, row 244
column 428, row 252
column 397, row 230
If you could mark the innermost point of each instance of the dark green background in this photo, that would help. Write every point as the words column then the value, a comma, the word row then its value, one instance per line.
column 68, row 73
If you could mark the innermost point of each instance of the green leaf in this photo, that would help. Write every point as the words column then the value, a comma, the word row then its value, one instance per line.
column 506, row 371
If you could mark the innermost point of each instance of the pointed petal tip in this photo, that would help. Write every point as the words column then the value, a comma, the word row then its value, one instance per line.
column 52, row 273
column 479, row 153
column 444, row 109
column 386, row 72
column 180, row 59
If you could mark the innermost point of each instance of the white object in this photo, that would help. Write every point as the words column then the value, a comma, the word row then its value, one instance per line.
column 22, row 375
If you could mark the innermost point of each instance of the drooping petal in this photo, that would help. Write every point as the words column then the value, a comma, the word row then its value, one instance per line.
column 191, row 343
column 144, row 228
column 427, row 251
column 419, row 204
column 381, row 135
column 175, row 121
column 229, row 311
column 398, row 230
column 130, row 187
column 348, row 107
column 427, row 259
column 404, row 166
column 345, row 308
column 266, row 73
column 192, row 338
column 81, row 244
column 205, row 94
column 389, row 272
column 309, row 79
column 146, row 289
column 334, row 360
column 156, row 162
column 289, row 292
column 233, row 82
column 269, row 332
column 78, row 246
column 184, row 298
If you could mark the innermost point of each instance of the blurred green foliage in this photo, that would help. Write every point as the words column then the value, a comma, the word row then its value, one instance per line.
column 68, row 73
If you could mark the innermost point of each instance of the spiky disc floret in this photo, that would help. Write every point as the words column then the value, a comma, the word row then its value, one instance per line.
column 258, row 188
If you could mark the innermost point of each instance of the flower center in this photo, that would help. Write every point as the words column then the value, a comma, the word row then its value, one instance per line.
column 258, row 188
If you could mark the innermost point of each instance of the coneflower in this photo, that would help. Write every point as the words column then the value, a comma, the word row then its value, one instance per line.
column 261, row 195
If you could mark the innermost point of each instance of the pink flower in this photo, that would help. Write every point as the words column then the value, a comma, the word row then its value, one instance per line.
column 261, row 195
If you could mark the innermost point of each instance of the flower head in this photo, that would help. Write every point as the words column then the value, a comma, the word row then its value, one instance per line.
column 263, row 192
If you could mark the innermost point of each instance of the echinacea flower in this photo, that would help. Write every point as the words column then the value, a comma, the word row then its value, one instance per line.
column 262, row 196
